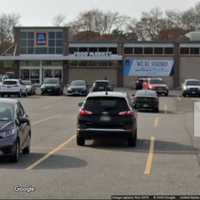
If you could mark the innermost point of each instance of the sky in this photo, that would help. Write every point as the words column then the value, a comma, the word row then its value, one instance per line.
column 42, row 12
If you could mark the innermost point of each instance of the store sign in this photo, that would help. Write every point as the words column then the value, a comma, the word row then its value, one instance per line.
column 148, row 67
column 41, row 39
column 92, row 54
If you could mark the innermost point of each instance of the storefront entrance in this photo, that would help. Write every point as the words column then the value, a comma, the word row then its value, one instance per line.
column 38, row 74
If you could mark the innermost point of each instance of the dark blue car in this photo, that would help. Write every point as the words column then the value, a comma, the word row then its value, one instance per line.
column 15, row 129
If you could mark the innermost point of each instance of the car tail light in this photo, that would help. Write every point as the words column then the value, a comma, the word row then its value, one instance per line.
column 85, row 112
column 126, row 113
column 151, row 87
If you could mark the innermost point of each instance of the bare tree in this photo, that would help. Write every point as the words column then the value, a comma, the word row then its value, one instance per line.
column 98, row 21
column 59, row 20
column 149, row 26
column 7, row 23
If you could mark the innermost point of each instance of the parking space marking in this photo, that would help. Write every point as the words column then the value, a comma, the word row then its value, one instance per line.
column 156, row 122
column 45, row 119
column 58, row 148
column 150, row 158
column 165, row 108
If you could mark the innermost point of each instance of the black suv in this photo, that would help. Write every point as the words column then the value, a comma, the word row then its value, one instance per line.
column 101, row 85
column 146, row 100
column 52, row 86
column 15, row 129
column 107, row 114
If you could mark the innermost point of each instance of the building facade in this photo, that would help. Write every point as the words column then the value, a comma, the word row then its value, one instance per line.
column 42, row 52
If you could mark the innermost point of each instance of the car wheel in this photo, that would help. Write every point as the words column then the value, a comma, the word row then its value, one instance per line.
column 27, row 149
column 2, row 95
column 15, row 156
column 184, row 95
column 20, row 94
column 132, row 141
column 80, row 141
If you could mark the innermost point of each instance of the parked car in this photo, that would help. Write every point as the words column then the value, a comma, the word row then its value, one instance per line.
column 107, row 115
column 158, row 85
column 15, row 129
column 191, row 87
column 29, row 87
column 78, row 87
column 139, row 83
column 11, row 75
column 52, row 86
column 146, row 100
column 13, row 87
column 101, row 85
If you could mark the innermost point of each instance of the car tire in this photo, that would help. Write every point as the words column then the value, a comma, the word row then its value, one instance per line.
column 132, row 141
column 2, row 95
column 80, row 141
column 15, row 157
column 20, row 94
column 27, row 150
column 157, row 110
column 184, row 95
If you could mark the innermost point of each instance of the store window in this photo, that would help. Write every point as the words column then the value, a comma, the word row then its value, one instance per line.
column 169, row 50
column 158, row 50
column 148, row 50
column 194, row 51
column 103, row 49
column 113, row 50
column 128, row 50
column 184, row 50
column 138, row 50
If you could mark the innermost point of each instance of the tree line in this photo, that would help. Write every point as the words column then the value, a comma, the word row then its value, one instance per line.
column 154, row 25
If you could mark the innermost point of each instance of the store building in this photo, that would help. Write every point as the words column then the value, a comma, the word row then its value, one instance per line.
column 42, row 52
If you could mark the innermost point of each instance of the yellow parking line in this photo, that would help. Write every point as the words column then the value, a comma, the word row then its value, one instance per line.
column 149, row 163
column 50, row 153
column 156, row 122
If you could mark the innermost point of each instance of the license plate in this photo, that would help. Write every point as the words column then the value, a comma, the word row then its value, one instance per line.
column 49, row 90
column 193, row 92
column 145, row 105
column 105, row 118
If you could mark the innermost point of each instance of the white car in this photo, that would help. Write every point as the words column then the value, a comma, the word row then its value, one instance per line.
column 13, row 87
column 191, row 87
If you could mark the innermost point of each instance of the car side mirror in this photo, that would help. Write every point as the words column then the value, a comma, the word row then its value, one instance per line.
column 23, row 120
column 80, row 104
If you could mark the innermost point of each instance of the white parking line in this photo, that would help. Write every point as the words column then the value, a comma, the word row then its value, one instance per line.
column 45, row 119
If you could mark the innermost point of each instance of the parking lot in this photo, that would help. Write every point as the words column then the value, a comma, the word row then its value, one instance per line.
column 166, row 159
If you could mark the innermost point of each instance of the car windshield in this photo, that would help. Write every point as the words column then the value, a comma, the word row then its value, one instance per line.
column 106, row 104
column 51, row 81
column 26, row 82
column 193, row 83
column 78, row 83
column 10, row 82
column 156, row 81
column 6, row 112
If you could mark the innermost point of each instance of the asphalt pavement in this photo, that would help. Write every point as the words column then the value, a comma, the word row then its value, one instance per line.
column 166, row 159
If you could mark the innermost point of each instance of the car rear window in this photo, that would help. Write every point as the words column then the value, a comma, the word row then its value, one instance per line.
column 10, row 82
column 106, row 104
column 156, row 81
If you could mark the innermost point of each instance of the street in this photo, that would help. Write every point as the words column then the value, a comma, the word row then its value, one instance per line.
column 166, row 159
